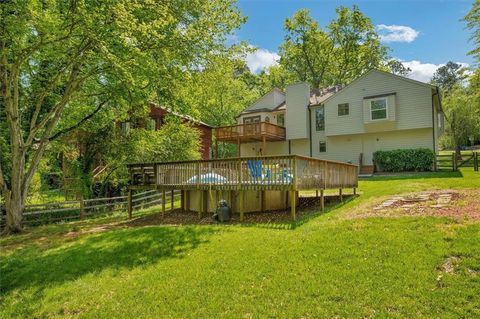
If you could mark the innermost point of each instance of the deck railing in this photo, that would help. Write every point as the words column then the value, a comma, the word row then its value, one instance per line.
column 251, row 130
column 287, row 172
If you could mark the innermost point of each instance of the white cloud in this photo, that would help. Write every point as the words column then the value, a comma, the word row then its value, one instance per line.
column 424, row 71
column 396, row 33
column 261, row 59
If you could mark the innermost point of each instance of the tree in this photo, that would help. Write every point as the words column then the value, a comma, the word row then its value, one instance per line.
column 462, row 114
column 348, row 47
column 62, row 58
column 473, row 23
column 449, row 76
column 397, row 67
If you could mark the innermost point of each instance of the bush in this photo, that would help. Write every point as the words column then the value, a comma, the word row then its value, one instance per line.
column 404, row 160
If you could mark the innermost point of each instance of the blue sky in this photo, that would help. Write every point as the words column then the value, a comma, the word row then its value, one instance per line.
column 423, row 34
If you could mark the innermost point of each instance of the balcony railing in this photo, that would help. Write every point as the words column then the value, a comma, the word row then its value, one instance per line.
column 250, row 132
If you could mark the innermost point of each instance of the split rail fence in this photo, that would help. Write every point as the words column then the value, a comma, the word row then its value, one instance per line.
column 40, row 214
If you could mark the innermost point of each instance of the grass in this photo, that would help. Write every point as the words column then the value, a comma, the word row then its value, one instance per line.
column 329, row 266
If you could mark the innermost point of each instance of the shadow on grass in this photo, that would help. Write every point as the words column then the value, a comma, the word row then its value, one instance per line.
column 305, row 215
column 115, row 250
column 412, row 175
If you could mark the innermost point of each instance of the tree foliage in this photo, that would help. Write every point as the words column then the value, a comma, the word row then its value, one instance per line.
column 339, row 53
column 61, row 62
column 449, row 76
column 473, row 23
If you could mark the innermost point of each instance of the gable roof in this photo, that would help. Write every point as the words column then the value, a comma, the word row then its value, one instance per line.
column 381, row 72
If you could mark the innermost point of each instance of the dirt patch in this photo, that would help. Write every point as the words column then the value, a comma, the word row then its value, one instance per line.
column 461, row 204
column 450, row 264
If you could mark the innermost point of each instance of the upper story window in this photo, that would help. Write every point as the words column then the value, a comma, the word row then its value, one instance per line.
column 343, row 109
column 267, row 119
column 320, row 118
column 251, row 119
column 378, row 109
column 281, row 119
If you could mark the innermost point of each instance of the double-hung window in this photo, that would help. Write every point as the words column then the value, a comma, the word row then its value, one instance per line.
column 378, row 109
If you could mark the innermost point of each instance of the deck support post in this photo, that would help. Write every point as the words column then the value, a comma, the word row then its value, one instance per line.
column 238, row 147
column 264, row 145
column 340, row 193
column 129, row 204
column 293, row 204
column 163, row 202
column 354, row 191
column 182, row 200
column 172, row 200
column 322, row 200
column 200, row 206
column 241, row 204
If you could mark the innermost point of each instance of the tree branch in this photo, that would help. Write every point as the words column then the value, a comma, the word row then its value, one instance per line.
column 79, row 123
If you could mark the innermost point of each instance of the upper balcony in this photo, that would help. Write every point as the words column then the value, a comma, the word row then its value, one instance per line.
column 252, row 132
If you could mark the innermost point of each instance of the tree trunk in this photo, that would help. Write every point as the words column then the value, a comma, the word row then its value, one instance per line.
column 14, row 205
column 458, row 153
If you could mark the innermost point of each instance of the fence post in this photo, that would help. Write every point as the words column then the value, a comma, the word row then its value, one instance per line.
column 129, row 204
column 475, row 161
column 82, row 207
column 454, row 162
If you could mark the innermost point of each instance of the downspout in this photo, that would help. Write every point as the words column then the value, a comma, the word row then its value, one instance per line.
column 310, row 128
column 433, row 128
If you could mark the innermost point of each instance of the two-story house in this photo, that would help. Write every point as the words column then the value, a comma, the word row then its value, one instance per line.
column 377, row 111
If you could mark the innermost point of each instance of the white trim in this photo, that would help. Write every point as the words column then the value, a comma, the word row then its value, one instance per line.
column 386, row 108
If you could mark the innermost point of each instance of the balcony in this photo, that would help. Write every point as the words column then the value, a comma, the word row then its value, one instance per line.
column 252, row 132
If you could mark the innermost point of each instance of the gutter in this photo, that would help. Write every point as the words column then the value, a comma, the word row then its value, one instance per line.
column 433, row 126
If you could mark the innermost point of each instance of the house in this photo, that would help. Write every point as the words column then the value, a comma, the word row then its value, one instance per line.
column 377, row 111
column 156, row 119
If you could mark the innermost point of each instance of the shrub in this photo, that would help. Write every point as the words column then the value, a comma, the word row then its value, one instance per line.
column 404, row 160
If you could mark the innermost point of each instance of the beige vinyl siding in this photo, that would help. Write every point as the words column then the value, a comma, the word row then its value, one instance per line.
column 273, row 148
column 412, row 102
column 296, row 118
column 347, row 148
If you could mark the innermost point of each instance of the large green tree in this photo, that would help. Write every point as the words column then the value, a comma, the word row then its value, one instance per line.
column 473, row 23
column 66, row 60
column 345, row 49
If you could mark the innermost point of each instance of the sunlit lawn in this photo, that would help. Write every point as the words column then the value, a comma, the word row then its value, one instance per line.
column 329, row 266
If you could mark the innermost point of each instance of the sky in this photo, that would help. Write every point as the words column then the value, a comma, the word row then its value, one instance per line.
column 424, row 35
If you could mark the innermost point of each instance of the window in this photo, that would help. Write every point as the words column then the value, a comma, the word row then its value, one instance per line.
column 267, row 119
column 343, row 109
column 281, row 119
column 378, row 109
column 251, row 119
column 322, row 146
column 320, row 118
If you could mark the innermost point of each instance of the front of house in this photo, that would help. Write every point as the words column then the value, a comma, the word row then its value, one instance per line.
column 377, row 111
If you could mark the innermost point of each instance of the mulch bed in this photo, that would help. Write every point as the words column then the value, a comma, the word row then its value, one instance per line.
column 307, row 206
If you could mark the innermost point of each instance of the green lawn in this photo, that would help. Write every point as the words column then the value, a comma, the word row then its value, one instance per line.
column 328, row 266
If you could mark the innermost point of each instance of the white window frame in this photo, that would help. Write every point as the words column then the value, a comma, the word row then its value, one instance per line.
column 386, row 108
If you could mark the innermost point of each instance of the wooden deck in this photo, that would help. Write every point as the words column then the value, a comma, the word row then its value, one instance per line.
column 287, row 173
column 253, row 132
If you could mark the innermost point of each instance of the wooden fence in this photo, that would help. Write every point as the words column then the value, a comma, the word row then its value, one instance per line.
column 47, row 213
column 451, row 163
